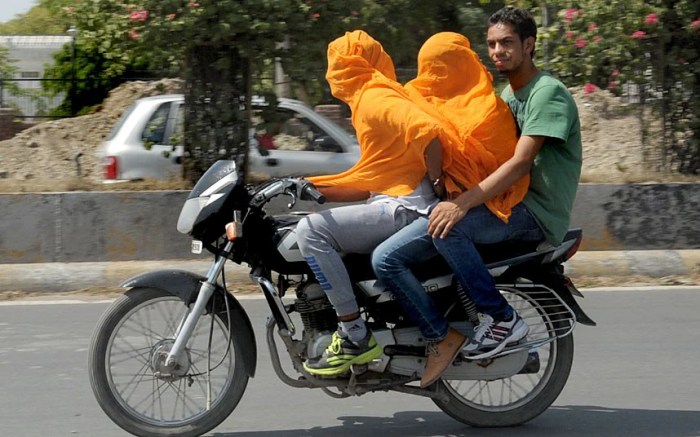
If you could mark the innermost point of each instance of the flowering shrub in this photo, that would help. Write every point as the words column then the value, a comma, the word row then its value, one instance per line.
column 646, row 48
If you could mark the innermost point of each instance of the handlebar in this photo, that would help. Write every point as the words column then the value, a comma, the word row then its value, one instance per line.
column 291, row 187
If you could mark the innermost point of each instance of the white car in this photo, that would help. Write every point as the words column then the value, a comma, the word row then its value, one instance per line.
column 146, row 143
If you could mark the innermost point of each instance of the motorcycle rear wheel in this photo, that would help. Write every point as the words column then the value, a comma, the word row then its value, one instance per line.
column 130, row 339
column 522, row 397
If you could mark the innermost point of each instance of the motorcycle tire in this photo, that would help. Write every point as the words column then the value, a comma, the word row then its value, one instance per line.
column 477, row 403
column 124, row 354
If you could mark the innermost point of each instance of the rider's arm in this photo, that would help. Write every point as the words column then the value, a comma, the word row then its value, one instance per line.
column 433, row 162
column 343, row 194
column 447, row 214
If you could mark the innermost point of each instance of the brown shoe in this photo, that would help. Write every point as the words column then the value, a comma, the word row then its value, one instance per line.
column 441, row 355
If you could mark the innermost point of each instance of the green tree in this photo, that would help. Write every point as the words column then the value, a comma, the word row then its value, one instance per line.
column 46, row 18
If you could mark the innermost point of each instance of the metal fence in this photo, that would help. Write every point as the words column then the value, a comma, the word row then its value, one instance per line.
column 30, row 98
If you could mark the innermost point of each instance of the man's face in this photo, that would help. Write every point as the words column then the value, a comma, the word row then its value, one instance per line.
column 505, row 48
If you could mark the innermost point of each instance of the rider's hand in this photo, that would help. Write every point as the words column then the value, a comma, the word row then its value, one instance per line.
column 443, row 217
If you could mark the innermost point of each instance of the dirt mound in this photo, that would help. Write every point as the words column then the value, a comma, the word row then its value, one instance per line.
column 49, row 155
column 45, row 157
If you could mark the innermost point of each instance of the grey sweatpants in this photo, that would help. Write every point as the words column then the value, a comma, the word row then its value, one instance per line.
column 325, row 235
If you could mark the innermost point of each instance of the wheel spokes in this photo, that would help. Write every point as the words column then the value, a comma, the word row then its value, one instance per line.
column 504, row 392
column 133, row 352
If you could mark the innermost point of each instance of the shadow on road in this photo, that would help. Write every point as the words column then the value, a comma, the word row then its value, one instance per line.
column 560, row 421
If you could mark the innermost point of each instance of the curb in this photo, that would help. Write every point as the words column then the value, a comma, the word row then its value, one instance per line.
column 64, row 277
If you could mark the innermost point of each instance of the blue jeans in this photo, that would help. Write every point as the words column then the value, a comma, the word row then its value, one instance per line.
column 393, row 259
column 480, row 226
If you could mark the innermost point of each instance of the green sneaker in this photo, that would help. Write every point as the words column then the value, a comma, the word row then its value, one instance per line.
column 343, row 353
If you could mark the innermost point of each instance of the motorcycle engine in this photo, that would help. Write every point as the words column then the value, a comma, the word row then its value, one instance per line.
column 317, row 316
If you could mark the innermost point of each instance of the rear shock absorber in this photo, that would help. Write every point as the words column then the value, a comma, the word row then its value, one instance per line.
column 468, row 304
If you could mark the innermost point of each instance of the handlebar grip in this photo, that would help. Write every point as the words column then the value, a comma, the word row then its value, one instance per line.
column 307, row 191
column 317, row 196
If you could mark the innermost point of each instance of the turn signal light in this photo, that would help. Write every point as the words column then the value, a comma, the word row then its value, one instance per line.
column 232, row 231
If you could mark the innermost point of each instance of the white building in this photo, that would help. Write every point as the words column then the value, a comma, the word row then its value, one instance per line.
column 31, row 54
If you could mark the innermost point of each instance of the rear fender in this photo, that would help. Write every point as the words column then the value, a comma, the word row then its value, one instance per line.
column 185, row 285
column 566, row 290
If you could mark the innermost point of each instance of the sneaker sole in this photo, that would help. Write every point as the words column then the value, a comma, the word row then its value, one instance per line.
column 514, row 336
column 365, row 358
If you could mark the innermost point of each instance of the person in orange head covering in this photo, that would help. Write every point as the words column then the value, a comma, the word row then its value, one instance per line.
column 400, row 151
column 454, row 86
column 393, row 133
column 479, row 142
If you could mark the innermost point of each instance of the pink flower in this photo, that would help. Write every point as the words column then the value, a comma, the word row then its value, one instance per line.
column 581, row 43
column 570, row 14
column 170, row 17
column 141, row 15
column 192, row 5
column 592, row 27
column 589, row 88
column 651, row 19
column 570, row 35
column 597, row 39
column 640, row 34
column 695, row 24
column 615, row 73
column 612, row 85
column 133, row 34
column 315, row 16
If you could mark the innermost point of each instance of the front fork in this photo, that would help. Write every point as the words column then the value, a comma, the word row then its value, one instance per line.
column 206, row 290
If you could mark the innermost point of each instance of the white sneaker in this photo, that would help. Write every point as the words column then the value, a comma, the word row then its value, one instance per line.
column 492, row 336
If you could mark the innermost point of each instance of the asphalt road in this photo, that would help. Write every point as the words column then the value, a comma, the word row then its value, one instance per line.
column 635, row 374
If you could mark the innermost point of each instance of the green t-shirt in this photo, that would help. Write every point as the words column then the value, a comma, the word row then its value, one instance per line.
column 544, row 107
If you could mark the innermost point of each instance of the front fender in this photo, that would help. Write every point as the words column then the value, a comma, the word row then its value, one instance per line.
column 185, row 285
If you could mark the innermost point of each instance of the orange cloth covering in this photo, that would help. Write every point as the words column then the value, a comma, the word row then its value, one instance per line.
column 479, row 132
column 391, row 130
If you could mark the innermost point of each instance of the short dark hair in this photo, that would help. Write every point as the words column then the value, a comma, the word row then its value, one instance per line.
column 519, row 19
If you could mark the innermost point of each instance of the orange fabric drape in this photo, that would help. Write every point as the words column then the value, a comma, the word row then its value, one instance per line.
column 479, row 132
column 391, row 130
column 451, row 98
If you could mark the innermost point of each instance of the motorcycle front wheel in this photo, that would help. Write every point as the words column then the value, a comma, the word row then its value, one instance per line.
column 521, row 397
column 128, row 379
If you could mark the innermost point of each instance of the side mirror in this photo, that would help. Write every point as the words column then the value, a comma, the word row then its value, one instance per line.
column 326, row 144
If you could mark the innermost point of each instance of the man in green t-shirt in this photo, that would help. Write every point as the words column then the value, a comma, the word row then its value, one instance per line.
column 549, row 149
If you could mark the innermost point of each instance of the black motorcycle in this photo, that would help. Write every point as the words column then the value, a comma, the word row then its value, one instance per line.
column 173, row 355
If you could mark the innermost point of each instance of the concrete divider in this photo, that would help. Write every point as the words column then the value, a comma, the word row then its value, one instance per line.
column 136, row 226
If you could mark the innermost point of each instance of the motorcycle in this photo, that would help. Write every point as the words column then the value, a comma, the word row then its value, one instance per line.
column 173, row 355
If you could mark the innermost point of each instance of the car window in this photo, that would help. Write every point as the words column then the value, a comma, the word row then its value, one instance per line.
column 121, row 122
column 283, row 129
column 178, row 135
column 154, row 131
